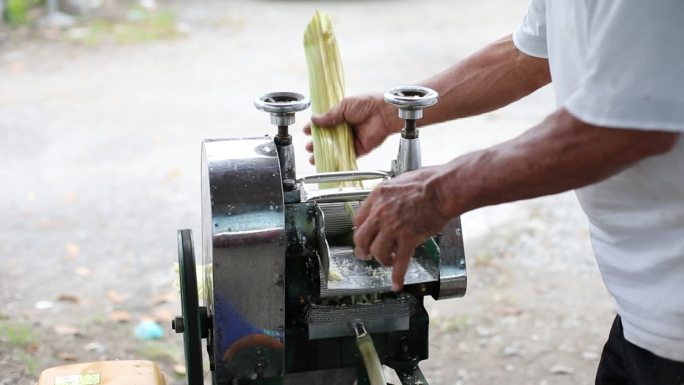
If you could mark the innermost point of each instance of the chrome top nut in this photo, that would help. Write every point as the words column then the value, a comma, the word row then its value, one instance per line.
column 411, row 100
column 282, row 106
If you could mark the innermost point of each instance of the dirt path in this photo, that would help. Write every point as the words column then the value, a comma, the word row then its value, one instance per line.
column 99, row 161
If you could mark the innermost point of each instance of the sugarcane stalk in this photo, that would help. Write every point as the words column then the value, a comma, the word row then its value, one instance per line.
column 333, row 147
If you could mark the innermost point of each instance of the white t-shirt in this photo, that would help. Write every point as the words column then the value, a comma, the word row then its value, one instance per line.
column 620, row 64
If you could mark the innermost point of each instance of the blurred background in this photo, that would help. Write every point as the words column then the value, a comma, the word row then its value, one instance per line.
column 103, row 105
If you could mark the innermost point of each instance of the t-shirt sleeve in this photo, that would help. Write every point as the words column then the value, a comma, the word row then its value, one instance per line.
column 530, row 36
column 635, row 67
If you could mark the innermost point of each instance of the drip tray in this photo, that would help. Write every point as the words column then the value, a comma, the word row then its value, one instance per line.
column 348, row 275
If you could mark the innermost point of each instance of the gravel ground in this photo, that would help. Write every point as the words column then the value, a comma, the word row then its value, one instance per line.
column 99, row 161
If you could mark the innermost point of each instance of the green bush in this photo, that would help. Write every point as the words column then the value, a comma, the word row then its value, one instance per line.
column 16, row 11
column 16, row 334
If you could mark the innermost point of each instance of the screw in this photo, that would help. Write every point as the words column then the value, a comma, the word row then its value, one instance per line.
column 289, row 184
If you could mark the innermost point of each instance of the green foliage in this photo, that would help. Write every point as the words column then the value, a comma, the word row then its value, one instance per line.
column 16, row 335
column 456, row 324
column 141, row 26
column 30, row 364
column 16, row 11
column 159, row 351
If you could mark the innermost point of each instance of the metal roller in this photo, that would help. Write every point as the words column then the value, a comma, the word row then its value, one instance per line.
column 339, row 217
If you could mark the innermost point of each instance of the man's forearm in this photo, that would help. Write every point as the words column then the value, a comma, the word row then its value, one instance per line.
column 491, row 78
column 559, row 154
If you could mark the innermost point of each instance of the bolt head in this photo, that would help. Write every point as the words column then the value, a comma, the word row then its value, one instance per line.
column 178, row 325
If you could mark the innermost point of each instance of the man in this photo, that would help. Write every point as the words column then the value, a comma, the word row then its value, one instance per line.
column 618, row 70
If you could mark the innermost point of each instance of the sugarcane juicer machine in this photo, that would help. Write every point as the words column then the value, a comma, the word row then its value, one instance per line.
column 285, row 299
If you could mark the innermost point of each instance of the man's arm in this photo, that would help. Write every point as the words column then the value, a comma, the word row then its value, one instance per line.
column 559, row 154
column 491, row 78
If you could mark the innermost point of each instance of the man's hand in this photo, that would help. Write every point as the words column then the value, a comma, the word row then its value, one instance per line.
column 490, row 78
column 559, row 154
column 396, row 218
column 371, row 120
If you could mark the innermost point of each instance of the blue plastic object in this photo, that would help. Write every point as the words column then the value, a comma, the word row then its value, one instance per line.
column 148, row 330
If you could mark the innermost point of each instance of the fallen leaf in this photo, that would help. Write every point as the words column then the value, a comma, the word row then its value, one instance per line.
column 64, row 356
column 162, row 316
column 164, row 298
column 507, row 310
column 31, row 348
column 49, row 224
column 65, row 330
column 115, row 297
column 72, row 250
column 174, row 173
column 69, row 197
column 119, row 316
column 82, row 271
column 68, row 298
column 180, row 369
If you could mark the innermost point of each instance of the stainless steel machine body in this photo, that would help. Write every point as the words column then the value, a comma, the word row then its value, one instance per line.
column 283, row 288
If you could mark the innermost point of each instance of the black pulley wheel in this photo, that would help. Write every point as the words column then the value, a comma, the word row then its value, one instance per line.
column 190, row 324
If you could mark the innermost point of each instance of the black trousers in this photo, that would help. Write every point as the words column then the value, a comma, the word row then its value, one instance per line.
column 623, row 363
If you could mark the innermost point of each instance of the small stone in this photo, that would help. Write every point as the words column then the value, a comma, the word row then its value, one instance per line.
column 512, row 350
column 94, row 347
column 484, row 332
column 82, row 271
column 566, row 348
column 590, row 355
column 509, row 368
column 561, row 369
column 42, row 305
column 463, row 374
